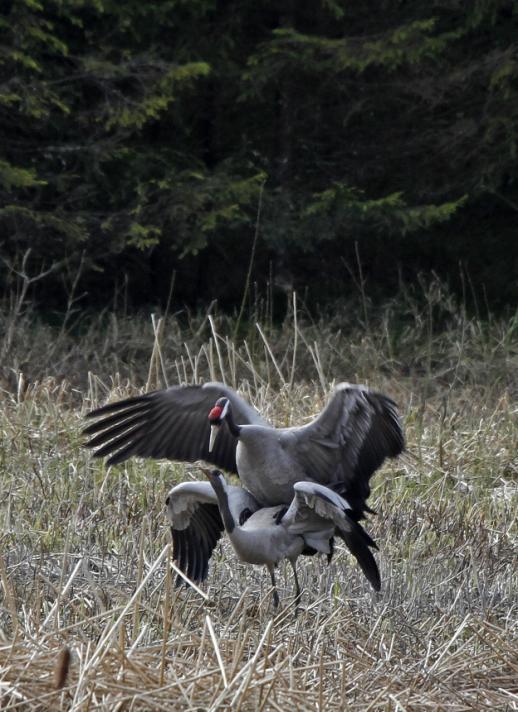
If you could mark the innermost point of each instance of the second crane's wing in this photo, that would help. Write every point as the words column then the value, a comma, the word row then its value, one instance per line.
column 348, row 441
column 313, row 502
column 196, row 527
column 196, row 524
column 172, row 423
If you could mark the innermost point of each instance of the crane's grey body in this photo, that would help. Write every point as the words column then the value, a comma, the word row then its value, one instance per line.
column 264, row 449
column 266, row 538
column 326, row 451
column 262, row 542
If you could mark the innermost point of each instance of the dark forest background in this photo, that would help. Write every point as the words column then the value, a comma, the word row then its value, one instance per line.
column 331, row 141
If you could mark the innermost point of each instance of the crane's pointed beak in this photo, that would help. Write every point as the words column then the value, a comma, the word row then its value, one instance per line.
column 214, row 430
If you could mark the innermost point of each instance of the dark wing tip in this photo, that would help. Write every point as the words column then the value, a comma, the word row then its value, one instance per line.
column 358, row 542
column 194, row 545
column 114, row 459
column 376, row 584
column 382, row 438
column 120, row 405
column 390, row 424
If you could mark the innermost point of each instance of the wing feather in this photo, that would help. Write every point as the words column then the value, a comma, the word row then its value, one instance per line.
column 356, row 541
column 196, row 524
column 171, row 423
column 196, row 527
column 313, row 502
column 177, row 537
column 349, row 441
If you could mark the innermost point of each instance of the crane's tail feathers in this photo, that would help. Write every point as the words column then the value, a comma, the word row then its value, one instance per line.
column 358, row 541
column 364, row 536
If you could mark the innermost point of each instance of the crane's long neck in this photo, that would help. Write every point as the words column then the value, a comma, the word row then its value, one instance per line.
column 250, row 546
column 231, row 423
column 226, row 515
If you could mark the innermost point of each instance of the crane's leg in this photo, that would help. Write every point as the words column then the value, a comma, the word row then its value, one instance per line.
column 331, row 550
column 275, row 594
column 298, row 592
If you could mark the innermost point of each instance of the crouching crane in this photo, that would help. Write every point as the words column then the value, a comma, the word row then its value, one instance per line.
column 262, row 535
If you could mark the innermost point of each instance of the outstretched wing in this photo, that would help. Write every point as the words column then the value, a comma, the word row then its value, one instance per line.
column 348, row 441
column 196, row 527
column 196, row 524
column 313, row 499
column 171, row 423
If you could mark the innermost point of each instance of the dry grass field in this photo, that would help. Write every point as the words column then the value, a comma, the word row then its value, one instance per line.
column 89, row 617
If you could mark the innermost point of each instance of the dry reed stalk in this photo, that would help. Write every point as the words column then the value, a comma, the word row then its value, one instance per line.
column 216, row 338
column 270, row 353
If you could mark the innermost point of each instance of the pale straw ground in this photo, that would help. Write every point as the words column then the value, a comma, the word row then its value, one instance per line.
column 89, row 617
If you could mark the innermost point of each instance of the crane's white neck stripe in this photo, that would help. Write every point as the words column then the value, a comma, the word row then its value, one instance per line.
column 225, row 410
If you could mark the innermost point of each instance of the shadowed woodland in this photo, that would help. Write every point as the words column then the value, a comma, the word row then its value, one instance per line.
column 138, row 140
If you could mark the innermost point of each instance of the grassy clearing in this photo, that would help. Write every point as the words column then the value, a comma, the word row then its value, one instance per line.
column 84, row 555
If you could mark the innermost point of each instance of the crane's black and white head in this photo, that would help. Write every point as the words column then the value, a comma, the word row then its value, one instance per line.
column 216, row 419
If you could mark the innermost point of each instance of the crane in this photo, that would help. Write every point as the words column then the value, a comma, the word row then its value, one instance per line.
column 340, row 449
column 271, row 534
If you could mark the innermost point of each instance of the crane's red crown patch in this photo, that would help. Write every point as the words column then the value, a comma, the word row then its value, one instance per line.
column 215, row 413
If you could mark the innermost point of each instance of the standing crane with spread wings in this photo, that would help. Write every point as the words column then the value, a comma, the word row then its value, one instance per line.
column 341, row 448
